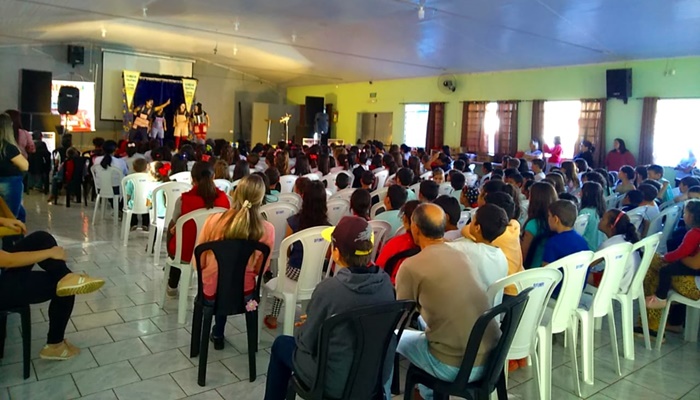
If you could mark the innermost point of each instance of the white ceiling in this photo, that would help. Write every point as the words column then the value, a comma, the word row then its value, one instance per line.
column 340, row 41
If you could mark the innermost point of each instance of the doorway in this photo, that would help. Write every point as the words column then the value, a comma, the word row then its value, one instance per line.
column 375, row 126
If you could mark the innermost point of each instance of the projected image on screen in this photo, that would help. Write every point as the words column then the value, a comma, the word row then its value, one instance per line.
column 84, row 120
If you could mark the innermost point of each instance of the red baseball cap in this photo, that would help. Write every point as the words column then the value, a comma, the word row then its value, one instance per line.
column 349, row 235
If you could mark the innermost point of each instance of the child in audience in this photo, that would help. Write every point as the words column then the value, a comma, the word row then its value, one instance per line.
column 64, row 175
column 140, row 167
column 558, row 179
column 241, row 170
column 519, row 213
column 536, row 231
column 438, row 176
column 565, row 241
column 632, row 200
column 571, row 198
column 273, row 178
column 571, row 180
column 581, row 166
column 486, row 171
column 656, row 172
column 626, row 177
column 428, row 191
column 684, row 185
column 689, row 247
column 694, row 192
column 367, row 180
column 526, row 190
column 618, row 228
column 242, row 221
column 342, row 181
column 640, row 174
column 651, row 211
column 457, row 180
column 400, row 246
column 361, row 203
column 269, row 197
column 538, row 169
column 395, row 199
column 300, row 185
column 593, row 205
column 221, row 170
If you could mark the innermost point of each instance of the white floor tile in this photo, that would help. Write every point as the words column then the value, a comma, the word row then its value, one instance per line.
column 161, row 388
column 103, row 378
column 119, row 351
column 161, row 363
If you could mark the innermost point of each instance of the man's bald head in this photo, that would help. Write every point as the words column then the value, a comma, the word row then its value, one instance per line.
column 429, row 220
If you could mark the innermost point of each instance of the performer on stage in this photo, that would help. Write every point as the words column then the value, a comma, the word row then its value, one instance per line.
column 200, row 123
column 159, row 127
column 182, row 129
column 142, row 120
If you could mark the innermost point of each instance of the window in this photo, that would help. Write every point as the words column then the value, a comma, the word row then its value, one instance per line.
column 480, row 124
column 675, row 130
column 561, row 118
column 491, row 125
column 415, row 124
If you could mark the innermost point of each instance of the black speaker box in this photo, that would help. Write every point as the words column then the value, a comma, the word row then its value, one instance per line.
column 314, row 105
column 35, row 91
column 68, row 100
column 619, row 83
column 76, row 55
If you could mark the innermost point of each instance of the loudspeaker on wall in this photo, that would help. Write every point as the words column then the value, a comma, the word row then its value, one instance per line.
column 68, row 100
column 619, row 83
column 76, row 55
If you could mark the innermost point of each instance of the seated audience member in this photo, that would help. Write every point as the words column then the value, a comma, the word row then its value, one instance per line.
column 342, row 181
column 405, row 177
column 651, row 209
column 526, row 190
column 640, row 174
column 65, row 174
column 449, row 298
column 593, row 205
column 367, row 181
column 486, row 171
column 497, row 174
column 656, row 172
column 582, row 167
column 534, row 153
column 460, row 165
column 361, row 203
column 516, row 180
column 684, row 185
column 353, row 285
column 520, row 213
column 273, row 178
column 513, row 163
column 140, row 166
column 626, row 177
column 536, row 231
column 241, row 170
column 358, row 168
column 558, row 181
column 538, row 169
column 20, row 285
column 491, row 186
column 618, row 228
column 571, row 198
column 631, row 200
column 269, row 197
column 565, row 241
column 395, row 249
column 688, row 248
column 300, row 185
column 457, row 180
column 694, row 192
column 395, row 198
column 438, row 176
column 453, row 212
column 429, row 191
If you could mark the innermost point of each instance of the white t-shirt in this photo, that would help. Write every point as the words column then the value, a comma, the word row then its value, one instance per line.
column 451, row 236
column 117, row 163
column 489, row 262
column 539, row 176
column 130, row 161
column 632, row 262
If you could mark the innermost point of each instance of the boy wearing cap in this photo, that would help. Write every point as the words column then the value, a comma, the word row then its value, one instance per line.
column 355, row 284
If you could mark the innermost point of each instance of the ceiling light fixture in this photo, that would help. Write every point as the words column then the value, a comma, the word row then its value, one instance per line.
column 235, row 50
column 421, row 13
column 294, row 37
column 104, row 32
column 145, row 12
column 236, row 25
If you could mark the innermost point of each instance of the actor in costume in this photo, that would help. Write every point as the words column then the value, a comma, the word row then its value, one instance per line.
column 200, row 123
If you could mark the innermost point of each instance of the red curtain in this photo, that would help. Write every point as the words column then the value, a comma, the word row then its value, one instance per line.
column 473, row 135
column 537, row 127
column 507, row 135
column 646, row 136
column 436, row 126
column 592, row 128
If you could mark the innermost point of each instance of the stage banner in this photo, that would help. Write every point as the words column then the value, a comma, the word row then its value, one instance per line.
column 131, row 80
column 189, row 86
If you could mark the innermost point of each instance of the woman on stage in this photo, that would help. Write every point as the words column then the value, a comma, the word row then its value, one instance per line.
column 159, row 127
column 142, row 120
column 181, row 124
column 200, row 123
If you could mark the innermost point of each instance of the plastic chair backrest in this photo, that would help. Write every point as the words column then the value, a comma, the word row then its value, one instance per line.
column 287, row 183
column 665, row 222
column 445, row 189
column 351, row 177
column 390, row 178
column 171, row 191
column 337, row 209
column 400, row 231
column 143, row 184
column 344, row 194
column 104, row 180
column 610, row 201
column 382, row 231
column 277, row 214
column 199, row 217
column 330, row 182
column 636, row 216
column 426, row 176
column 223, row 184
column 464, row 218
column 380, row 194
column 471, row 178
column 234, row 184
column 649, row 245
column 380, row 179
column 231, row 168
column 312, row 177
column 581, row 223
column 615, row 258
column 542, row 281
column 415, row 188
column 371, row 330
column 574, row 268
column 291, row 198
column 376, row 210
column 184, row 177
column 315, row 249
column 667, row 205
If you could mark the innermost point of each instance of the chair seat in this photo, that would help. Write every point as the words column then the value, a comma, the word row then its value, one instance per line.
column 271, row 285
column 675, row 297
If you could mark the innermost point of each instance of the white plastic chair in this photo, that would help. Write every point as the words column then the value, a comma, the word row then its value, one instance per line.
column 380, row 194
column 390, row 178
column 665, row 223
column 667, row 205
column 581, row 223
column 344, row 194
column 143, row 184
column 287, row 183
column 382, row 232
column 445, row 189
column 330, row 183
column 315, row 249
column 224, row 185
column 231, row 168
column 562, row 318
column 104, row 181
column 600, row 305
column 427, row 176
column 464, row 218
column 542, row 281
column 198, row 217
column 471, row 178
column 636, row 216
column 351, row 177
column 399, row 231
column 337, row 209
column 380, row 179
column 312, row 177
column 415, row 188
column 676, row 191
column 291, row 198
column 376, row 210
column 171, row 191
column 636, row 292
column 184, row 177
column 277, row 214
column 234, row 185
column 692, row 318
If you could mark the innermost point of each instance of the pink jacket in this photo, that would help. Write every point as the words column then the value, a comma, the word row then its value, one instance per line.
column 213, row 230
column 25, row 143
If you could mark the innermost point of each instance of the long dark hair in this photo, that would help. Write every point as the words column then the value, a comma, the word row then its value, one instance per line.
column 589, row 145
column 302, row 168
column 314, row 211
column 542, row 195
column 623, row 226
column 324, row 164
column 241, row 170
column 109, row 148
column 203, row 181
column 592, row 197
column 621, row 148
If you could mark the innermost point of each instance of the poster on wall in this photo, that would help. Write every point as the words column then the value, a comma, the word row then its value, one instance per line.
column 84, row 120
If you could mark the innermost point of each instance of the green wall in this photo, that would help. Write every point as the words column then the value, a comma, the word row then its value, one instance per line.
column 565, row 83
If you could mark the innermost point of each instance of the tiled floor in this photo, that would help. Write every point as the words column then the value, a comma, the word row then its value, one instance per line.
column 133, row 349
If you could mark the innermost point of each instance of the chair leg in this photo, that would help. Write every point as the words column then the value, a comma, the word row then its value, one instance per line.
column 126, row 225
column 251, row 323
column 645, row 321
column 501, row 388
column 26, row 341
column 158, row 246
column 261, row 310
column 626, row 310
column 196, row 330
column 587, row 327
column 151, row 237
column 3, row 333
column 692, row 322
column 396, row 378
column 613, row 341
column 166, row 274
column 408, row 386
column 97, row 207
column 185, row 279
column 544, row 358
column 662, row 326
column 574, row 361
column 290, row 306
column 204, row 348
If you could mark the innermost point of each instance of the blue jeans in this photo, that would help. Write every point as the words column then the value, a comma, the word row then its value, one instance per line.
column 11, row 190
column 414, row 346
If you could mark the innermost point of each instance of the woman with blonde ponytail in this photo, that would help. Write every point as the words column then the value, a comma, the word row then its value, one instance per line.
column 242, row 221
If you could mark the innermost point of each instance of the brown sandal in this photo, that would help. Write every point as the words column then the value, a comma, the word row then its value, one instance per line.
column 270, row 322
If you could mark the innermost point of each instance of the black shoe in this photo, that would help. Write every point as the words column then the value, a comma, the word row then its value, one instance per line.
column 218, row 342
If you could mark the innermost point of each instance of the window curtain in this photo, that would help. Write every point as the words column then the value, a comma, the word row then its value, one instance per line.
column 591, row 124
column 537, row 127
column 473, row 134
column 646, row 136
column 507, row 135
column 436, row 126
